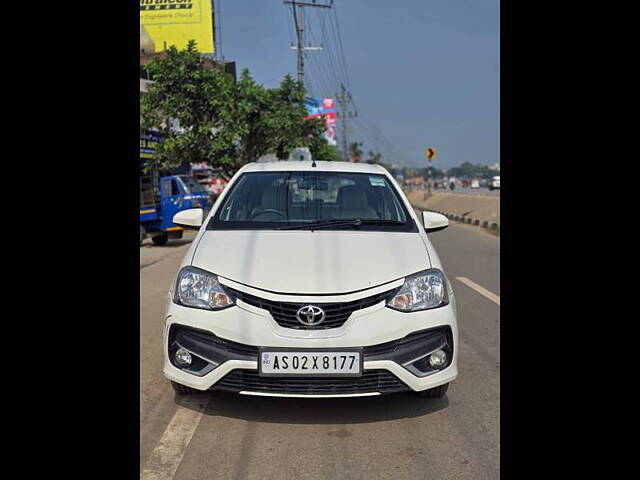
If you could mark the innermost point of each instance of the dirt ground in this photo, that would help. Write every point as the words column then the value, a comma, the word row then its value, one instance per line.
column 477, row 207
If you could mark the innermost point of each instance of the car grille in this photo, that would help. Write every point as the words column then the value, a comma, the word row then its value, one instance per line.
column 284, row 313
column 198, row 340
column 371, row 381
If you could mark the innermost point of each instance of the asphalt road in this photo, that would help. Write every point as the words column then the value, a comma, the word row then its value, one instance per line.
column 223, row 436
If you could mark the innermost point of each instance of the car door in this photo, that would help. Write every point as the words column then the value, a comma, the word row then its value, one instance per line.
column 171, row 200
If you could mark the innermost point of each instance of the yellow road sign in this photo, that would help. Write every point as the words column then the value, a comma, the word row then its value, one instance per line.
column 430, row 153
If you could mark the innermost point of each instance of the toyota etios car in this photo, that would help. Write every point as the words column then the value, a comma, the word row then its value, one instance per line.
column 311, row 280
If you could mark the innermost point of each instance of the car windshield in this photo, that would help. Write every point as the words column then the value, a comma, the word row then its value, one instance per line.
column 191, row 185
column 327, row 200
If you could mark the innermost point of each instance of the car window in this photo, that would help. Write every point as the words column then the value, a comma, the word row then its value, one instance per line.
column 191, row 185
column 261, row 200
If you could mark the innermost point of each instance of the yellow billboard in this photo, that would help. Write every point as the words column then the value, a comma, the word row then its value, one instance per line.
column 164, row 23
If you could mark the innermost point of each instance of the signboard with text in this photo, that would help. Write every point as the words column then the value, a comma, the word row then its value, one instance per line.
column 164, row 23
column 325, row 108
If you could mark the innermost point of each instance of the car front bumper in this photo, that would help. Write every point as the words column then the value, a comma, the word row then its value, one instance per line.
column 248, row 327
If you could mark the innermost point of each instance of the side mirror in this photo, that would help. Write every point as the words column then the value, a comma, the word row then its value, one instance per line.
column 191, row 218
column 434, row 221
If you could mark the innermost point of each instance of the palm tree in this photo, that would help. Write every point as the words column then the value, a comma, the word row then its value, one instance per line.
column 355, row 153
column 374, row 157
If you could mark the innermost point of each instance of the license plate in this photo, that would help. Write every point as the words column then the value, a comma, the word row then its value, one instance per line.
column 335, row 363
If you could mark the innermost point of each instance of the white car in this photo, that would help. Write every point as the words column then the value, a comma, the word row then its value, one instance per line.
column 495, row 183
column 475, row 184
column 311, row 280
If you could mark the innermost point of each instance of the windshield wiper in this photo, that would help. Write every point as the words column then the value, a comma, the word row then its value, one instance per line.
column 343, row 222
column 352, row 222
column 381, row 222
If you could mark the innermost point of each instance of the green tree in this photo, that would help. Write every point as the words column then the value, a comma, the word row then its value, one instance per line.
column 355, row 152
column 374, row 157
column 470, row 170
column 187, row 103
column 205, row 116
column 321, row 150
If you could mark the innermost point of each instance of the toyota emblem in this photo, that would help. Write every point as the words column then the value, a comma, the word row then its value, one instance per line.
column 310, row 315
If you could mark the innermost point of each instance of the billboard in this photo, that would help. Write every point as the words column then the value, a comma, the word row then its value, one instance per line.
column 149, row 142
column 174, row 22
column 326, row 108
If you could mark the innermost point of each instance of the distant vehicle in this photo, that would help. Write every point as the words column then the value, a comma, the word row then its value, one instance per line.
column 495, row 183
column 475, row 184
column 212, row 182
column 161, row 198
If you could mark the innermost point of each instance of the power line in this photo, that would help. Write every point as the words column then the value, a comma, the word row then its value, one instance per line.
column 327, row 71
column 344, row 62
column 297, row 8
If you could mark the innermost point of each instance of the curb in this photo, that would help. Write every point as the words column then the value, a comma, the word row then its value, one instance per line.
column 493, row 226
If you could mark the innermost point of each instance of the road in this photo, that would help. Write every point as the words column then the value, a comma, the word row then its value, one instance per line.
column 223, row 436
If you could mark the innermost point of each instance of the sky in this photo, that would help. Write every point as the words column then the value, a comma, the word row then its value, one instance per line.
column 421, row 73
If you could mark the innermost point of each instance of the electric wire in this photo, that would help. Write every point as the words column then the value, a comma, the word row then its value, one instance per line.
column 327, row 69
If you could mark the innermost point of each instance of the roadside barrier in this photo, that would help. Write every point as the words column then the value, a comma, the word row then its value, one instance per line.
column 494, row 227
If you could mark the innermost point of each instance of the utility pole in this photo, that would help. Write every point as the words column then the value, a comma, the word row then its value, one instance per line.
column 298, row 18
column 343, row 100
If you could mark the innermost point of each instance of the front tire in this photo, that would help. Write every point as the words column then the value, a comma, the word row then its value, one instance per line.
column 183, row 389
column 161, row 239
column 437, row 392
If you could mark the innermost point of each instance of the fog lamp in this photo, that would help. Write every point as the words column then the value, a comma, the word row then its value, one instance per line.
column 183, row 357
column 438, row 359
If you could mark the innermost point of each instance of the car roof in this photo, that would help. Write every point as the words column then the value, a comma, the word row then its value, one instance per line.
column 321, row 166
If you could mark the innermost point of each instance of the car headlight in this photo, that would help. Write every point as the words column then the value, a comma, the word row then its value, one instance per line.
column 199, row 289
column 421, row 291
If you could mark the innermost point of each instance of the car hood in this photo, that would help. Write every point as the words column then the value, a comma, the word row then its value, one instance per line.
column 305, row 262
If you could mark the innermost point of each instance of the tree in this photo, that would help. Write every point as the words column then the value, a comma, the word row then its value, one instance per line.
column 355, row 152
column 189, row 104
column 470, row 170
column 204, row 116
column 374, row 157
column 322, row 151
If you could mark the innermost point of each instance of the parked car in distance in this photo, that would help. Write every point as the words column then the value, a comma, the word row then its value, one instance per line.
column 311, row 280
column 475, row 184
column 495, row 183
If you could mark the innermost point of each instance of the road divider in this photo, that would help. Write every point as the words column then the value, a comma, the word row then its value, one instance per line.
column 480, row 211
column 480, row 289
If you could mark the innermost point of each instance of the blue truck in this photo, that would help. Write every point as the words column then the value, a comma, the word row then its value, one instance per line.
column 163, row 194
column 162, row 198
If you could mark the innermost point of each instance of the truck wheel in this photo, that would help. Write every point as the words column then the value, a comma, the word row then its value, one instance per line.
column 142, row 234
column 183, row 389
column 160, row 239
column 435, row 392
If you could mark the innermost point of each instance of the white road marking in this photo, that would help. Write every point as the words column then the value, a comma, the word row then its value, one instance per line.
column 166, row 457
column 481, row 290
